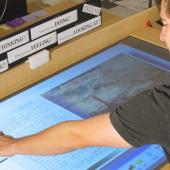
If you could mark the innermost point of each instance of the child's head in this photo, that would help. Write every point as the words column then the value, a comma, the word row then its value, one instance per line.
column 164, row 6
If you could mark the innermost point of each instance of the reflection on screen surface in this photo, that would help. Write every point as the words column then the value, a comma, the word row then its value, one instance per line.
column 90, row 88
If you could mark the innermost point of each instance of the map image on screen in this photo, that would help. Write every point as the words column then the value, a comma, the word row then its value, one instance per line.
column 107, row 85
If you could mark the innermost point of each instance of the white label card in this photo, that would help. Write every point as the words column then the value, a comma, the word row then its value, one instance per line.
column 79, row 29
column 13, row 42
column 3, row 65
column 91, row 9
column 54, row 24
column 32, row 47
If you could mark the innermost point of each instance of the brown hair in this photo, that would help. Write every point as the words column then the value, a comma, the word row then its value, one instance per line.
column 168, row 7
column 158, row 2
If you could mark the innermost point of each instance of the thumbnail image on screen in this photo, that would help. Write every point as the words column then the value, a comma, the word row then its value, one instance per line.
column 112, row 83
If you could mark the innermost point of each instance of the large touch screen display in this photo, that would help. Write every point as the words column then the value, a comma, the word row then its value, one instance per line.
column 87, row 89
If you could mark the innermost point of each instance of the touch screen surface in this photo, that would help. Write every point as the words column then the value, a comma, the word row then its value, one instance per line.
column 92, row 87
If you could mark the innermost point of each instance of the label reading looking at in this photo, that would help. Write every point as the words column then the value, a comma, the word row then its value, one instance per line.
column 79, row 29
